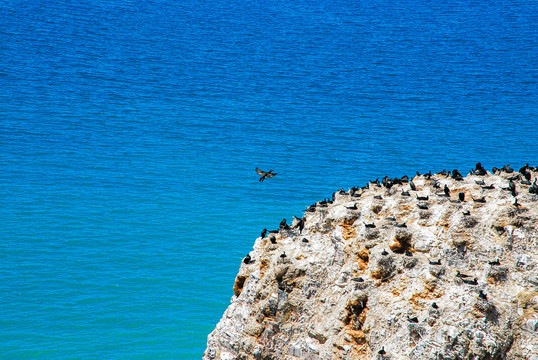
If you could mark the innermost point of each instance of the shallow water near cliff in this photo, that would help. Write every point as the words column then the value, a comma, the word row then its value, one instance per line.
column 129, row 134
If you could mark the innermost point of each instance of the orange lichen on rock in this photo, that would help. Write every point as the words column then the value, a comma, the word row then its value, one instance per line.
column 362, row 265
column 402, row 242
column 264, row 265
column 406, row 209
column 356, row 311
column 364, row 254
column 238, row 285
column 358, row 336
column 376, row 274
column 348, row 231
column 426, row 294
column 348, row 221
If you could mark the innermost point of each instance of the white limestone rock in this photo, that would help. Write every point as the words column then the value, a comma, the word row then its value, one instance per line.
column 337, row 296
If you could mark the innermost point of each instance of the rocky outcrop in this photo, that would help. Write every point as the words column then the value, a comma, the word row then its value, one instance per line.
column 385, row 272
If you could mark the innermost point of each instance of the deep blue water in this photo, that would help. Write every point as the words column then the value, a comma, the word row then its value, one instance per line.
column 129, row 134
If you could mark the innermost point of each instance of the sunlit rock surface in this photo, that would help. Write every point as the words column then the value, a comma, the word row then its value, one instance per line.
column 458, row 281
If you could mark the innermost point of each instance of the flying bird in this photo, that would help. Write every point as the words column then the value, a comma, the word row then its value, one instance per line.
column 264, row 174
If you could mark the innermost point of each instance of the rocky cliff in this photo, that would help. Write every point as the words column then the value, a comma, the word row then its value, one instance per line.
column 435, row 267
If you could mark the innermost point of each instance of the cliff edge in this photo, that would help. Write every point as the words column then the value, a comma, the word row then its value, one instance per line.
column 435, row 267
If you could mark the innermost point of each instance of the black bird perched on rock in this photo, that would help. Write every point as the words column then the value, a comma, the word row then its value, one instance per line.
column 405, row 193
column 488, row 187
column 456, row 175
column 461, row 196
column 283, row 225
column 354, row 207
column 480, row 200
column 446, row 190
column 481, row 295
column 305, row 240
column 273, row 240
column 386, row 183
column 494, row 263
column 402, row 225
column 466, row 213
column 516, row 204
column 434, row 305
column 471, row 282
column 378, row 197
column 371, row 226
column 526, row 174
column 515, row 177
column 264, row 232
column 534, row 188
column 512, row 186
column 438, row 262
column 423, row 207
column 382, row 351
column 384, row 253
column 247, row 259
column 375, row 182
column 358, row 279
column 423, row 198
column 413, row 320
column 412, row 185
column 479, row 170
column 283, row 255
column 461, row 276
column 299, row 223
column 264, row 174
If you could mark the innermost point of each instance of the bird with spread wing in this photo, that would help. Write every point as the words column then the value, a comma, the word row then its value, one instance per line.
column 264, row 174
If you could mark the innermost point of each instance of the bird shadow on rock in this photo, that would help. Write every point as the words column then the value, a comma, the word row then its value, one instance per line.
column 492, row 315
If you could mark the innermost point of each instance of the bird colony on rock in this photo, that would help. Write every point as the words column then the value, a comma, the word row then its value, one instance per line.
column 439, row 266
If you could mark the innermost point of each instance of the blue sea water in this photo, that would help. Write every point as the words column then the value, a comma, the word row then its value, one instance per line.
column 130, row 130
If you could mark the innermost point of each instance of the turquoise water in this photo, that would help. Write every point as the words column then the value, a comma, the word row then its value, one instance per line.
column 129, row 134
